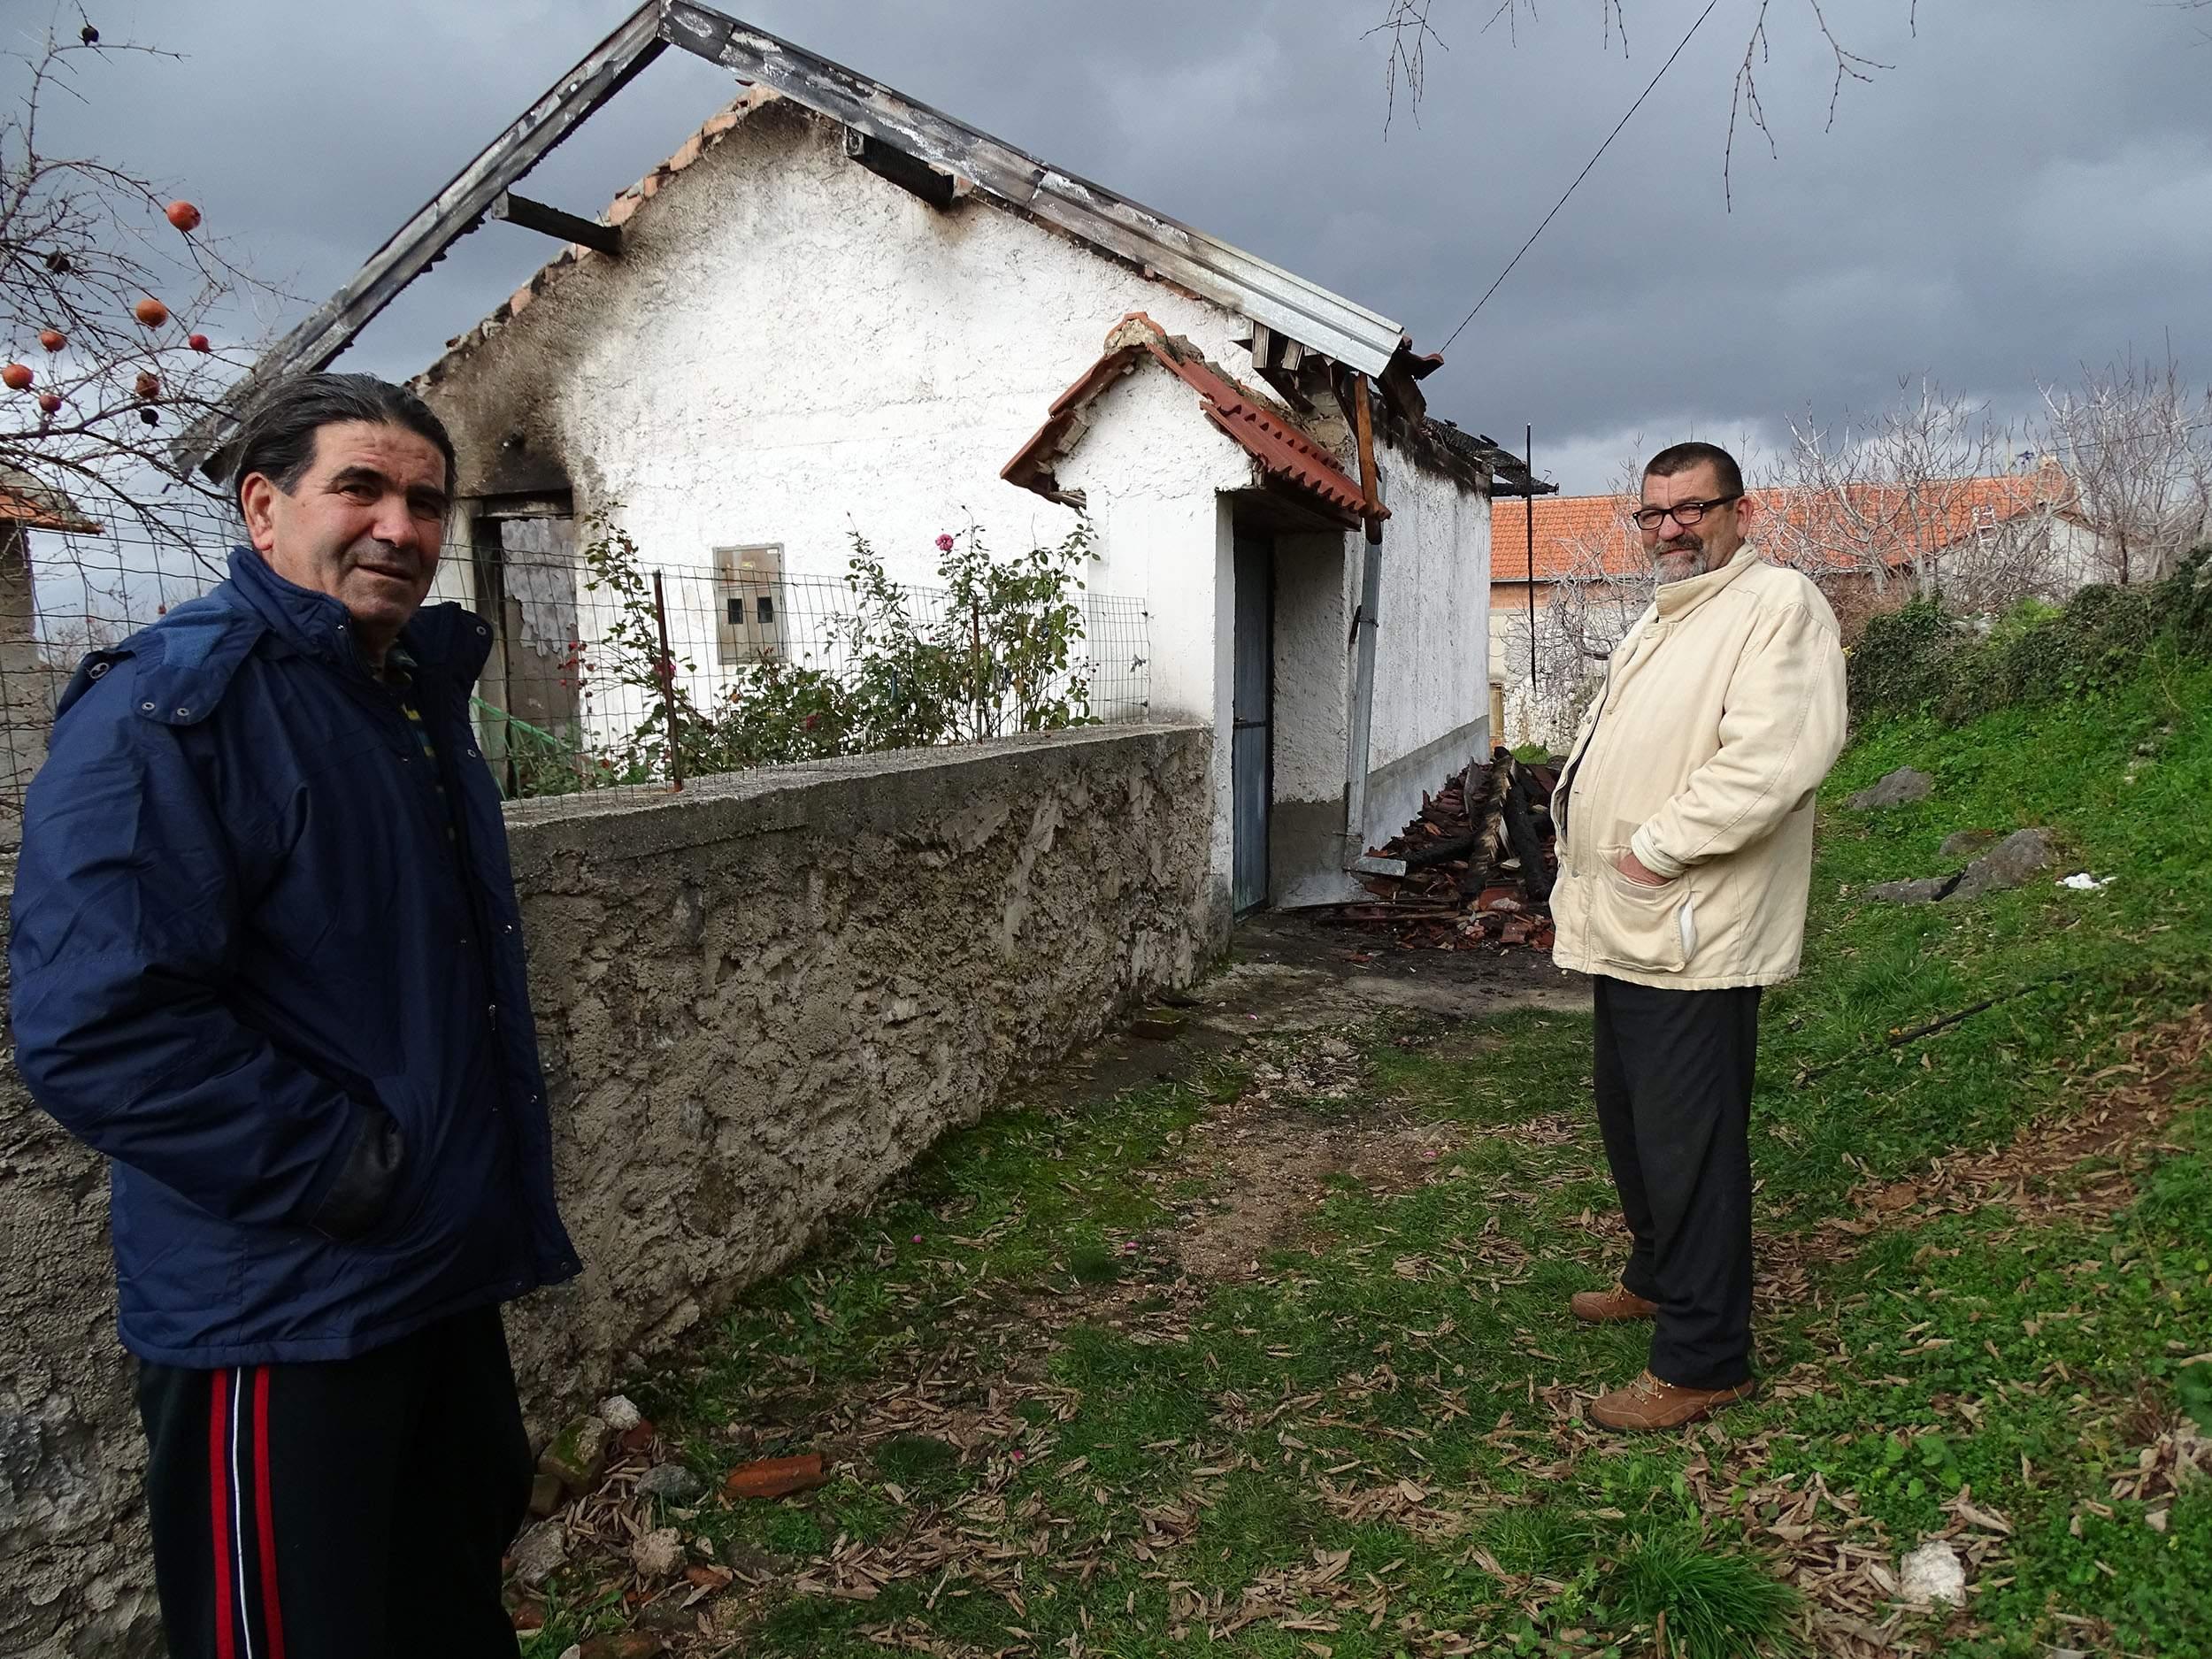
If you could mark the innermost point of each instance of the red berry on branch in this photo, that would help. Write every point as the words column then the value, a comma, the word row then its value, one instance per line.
column 151, row 312
column 198, row 343
column 52, row 339
column 17, row 376
column 49, row 403
column 184, row 216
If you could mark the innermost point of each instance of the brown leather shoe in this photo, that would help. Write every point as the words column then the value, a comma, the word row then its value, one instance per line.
column 1648, row 1403
column 1608, row 1307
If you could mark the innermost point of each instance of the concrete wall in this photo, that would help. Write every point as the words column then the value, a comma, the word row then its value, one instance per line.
column 758, row 1001
column 27, row 686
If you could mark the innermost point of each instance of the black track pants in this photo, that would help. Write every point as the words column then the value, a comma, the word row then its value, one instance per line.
column 1673, row 1075
column 341, row 1509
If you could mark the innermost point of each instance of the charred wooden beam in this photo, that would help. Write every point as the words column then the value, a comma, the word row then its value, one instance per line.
column 448, row 216
column 911, row 174
column 550, row 221
column 1525, row 839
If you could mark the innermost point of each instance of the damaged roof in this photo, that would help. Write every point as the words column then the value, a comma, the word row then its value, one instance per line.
column 926, row 143
column 1288, row 459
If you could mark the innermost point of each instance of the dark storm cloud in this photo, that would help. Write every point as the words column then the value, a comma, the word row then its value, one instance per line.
column 2029, row 186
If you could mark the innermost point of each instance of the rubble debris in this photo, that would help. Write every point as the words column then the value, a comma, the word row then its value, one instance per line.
column 1932, row 1574
column 539, row 1553
column 1478, row 862
column 2082, row 881
column 658, row 1554
column 670, row 1483
column 578, row 1456
column 1899, row 788
column 618, row 1414
column 1922, row 890
column 546, row 1494
column 2006, row 864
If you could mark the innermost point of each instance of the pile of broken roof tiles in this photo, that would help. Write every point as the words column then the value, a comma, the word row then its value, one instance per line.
column 1478, row 864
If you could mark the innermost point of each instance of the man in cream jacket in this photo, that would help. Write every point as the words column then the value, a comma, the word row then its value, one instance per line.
column 1684, row 822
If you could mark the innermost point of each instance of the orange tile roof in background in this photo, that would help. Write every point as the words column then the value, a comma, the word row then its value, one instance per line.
column 1570, row 529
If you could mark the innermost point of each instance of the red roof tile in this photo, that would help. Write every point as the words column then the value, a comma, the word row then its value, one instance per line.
column 1285, row 453
column 1585, row 533
column 26, row 508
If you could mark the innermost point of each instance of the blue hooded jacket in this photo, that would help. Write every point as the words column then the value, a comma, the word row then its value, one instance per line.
column 264, row 964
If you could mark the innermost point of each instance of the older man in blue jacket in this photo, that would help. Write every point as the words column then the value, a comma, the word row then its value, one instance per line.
column 267, row 959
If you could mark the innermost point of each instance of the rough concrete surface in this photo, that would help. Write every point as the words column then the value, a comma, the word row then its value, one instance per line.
column 757, row 1001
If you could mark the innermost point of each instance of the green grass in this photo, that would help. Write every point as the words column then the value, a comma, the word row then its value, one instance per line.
column 1394, row 1390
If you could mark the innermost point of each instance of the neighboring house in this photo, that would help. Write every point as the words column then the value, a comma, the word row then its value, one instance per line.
column 809, row 329
column 1973, row 541
column 27, row 683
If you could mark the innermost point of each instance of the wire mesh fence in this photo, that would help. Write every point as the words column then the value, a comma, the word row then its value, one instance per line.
column 610, row 668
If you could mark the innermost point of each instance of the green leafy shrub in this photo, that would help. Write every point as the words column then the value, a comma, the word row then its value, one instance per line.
column 998, row 659
column 1918, row 659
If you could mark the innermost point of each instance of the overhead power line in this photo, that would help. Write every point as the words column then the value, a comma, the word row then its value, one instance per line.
column 1585, row 174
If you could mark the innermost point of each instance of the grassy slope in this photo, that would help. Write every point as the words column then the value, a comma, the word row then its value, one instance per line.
column 1220, row 1437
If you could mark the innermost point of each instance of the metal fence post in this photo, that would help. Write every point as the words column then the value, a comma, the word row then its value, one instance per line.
column 666, row 670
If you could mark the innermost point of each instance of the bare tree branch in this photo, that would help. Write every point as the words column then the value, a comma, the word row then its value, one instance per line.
column 109, row 298
column 1407, row 23
column 2136, row 443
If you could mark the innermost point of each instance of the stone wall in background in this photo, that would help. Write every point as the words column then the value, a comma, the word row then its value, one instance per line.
column 758, row 1001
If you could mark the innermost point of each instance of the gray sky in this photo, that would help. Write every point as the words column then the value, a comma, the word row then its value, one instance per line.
column 2029, row 187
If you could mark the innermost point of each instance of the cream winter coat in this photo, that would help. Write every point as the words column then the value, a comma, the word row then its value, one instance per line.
column 1721, row 712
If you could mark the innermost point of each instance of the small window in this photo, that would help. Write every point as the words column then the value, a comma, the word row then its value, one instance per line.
column 748, row 632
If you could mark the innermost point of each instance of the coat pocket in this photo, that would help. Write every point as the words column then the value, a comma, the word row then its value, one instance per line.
column 1650, row 929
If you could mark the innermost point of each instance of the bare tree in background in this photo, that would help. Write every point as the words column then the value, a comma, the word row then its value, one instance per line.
column 109, row 298
column 1409, row 31
column 2137, row 444
column 1894, row 491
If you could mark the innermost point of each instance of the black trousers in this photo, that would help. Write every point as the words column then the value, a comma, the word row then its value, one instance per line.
column 343, row 1509
column 1673, row 1075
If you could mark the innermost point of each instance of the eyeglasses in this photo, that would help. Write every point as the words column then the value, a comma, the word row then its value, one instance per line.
column 1684, row 512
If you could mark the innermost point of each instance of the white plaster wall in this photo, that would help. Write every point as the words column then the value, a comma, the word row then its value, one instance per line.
column 1155, row 474
column 1432, row 642
column 791, row 348
column 1432, row 648
column 1317, row 577
column 1317, row 581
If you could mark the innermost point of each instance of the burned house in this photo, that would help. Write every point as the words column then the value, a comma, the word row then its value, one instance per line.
column 834, row 310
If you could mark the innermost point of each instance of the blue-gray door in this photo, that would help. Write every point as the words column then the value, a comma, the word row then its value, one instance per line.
column 1251, row 784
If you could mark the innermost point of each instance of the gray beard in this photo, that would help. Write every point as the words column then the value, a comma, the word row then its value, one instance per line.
column 1671, row 568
